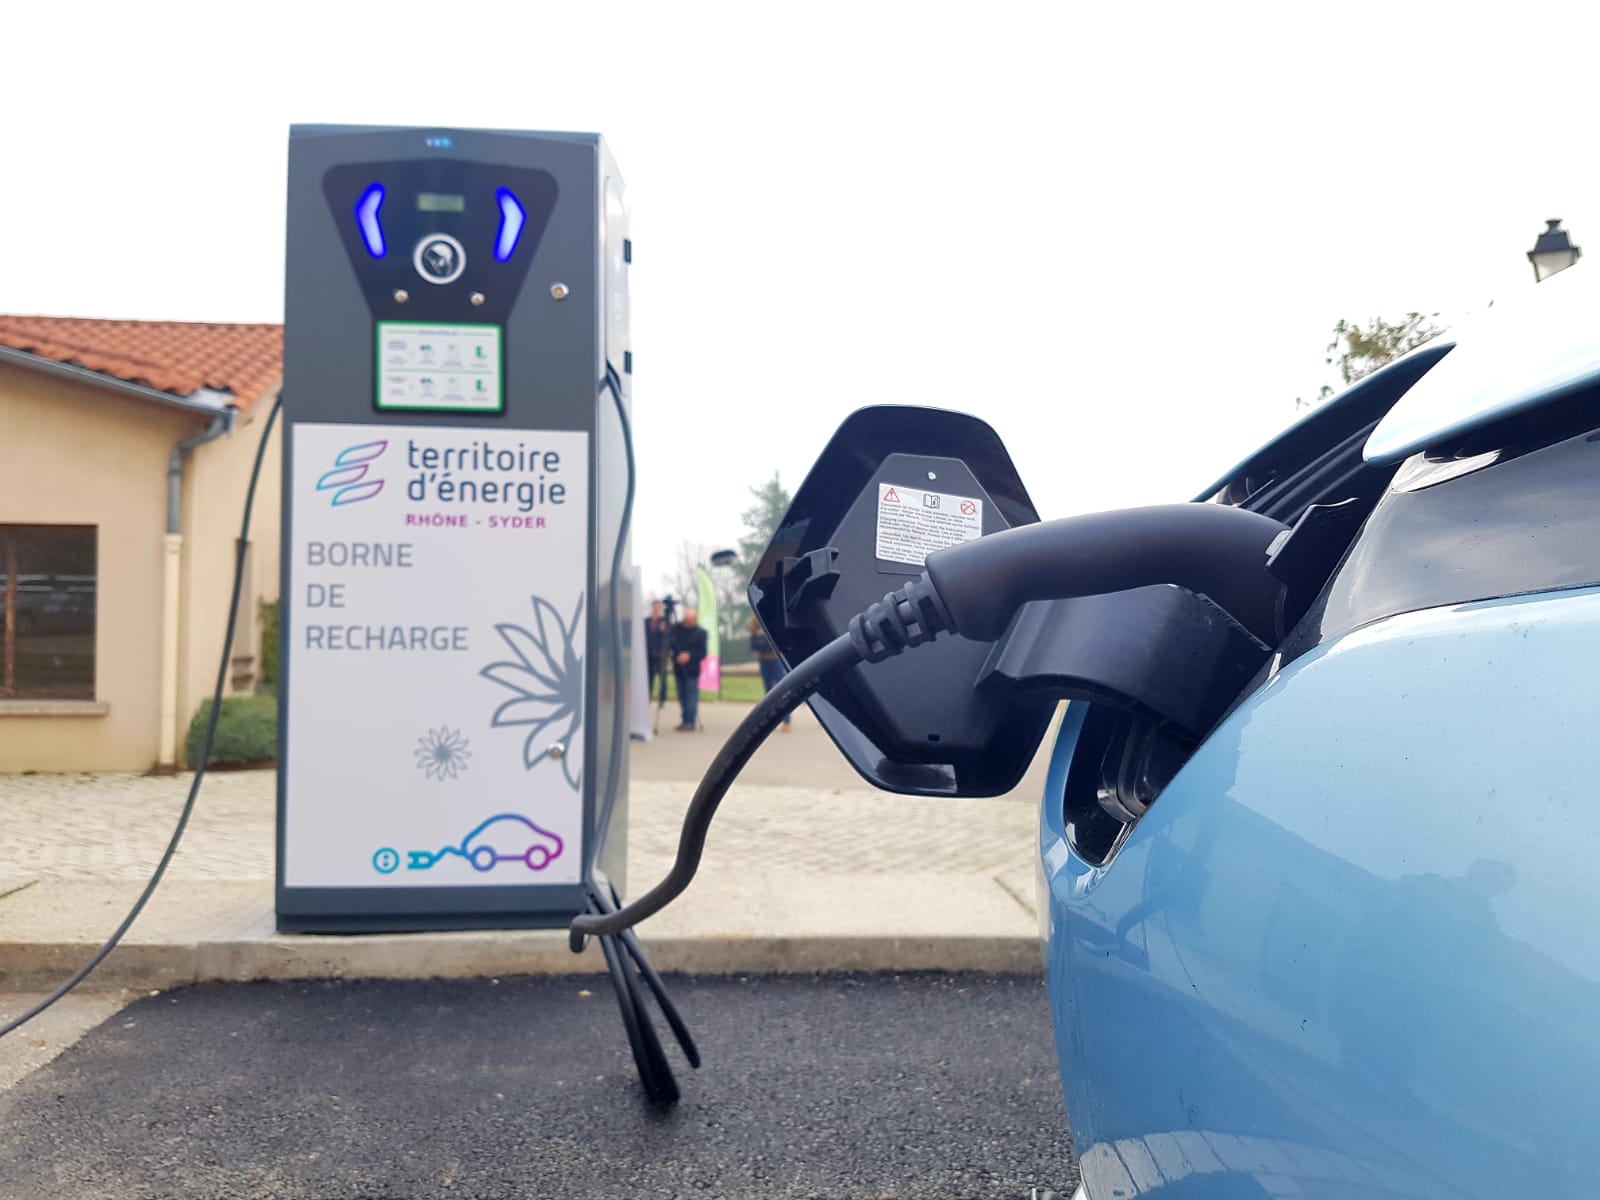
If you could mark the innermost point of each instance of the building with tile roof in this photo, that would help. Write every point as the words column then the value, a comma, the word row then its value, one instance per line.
column 125, row 452
column 238, row 364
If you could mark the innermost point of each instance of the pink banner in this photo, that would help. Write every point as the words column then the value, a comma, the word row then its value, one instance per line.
column 711, row 673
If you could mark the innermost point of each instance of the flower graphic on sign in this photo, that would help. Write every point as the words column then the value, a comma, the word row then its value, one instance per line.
column 442, row 754
column 546, row 676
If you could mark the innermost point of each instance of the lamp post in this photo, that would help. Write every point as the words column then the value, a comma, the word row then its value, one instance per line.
column 1553, row 251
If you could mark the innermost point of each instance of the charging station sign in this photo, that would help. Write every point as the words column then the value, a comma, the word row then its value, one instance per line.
column 437, row 622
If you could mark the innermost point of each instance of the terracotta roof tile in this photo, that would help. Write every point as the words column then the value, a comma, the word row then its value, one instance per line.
column 171, row 356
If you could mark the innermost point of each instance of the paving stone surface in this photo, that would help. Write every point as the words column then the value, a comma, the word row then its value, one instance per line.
column 116, row 826
column 110, row 827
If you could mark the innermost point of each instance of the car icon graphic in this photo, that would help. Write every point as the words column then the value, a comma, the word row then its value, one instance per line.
column 507, row 838
column 510, row 838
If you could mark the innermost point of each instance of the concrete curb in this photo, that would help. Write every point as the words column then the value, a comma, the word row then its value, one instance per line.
column 144, row 965
column 779, row 921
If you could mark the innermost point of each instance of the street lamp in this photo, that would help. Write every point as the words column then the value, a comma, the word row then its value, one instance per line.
column 1553, row 251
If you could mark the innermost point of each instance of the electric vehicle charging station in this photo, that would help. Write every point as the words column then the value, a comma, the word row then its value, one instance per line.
column 455, row 482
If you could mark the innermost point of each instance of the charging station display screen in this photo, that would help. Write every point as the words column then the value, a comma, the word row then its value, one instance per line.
column 439, row 202
column 439, row 367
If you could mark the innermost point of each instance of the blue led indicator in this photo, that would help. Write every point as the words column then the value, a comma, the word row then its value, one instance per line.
column 367, row 218
column 512, row 220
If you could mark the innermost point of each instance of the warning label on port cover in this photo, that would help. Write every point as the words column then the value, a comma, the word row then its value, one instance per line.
column 912, row 523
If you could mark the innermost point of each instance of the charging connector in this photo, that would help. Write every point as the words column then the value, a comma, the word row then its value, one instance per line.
column 912, row 615
column 975, row 590
column 1212, row 550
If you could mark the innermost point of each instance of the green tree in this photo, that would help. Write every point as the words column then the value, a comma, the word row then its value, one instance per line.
column 760, row 521
column 770, row 503
column 1358, row 350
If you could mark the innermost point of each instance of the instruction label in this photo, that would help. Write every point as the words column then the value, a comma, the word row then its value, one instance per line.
column 439, row 367
column 913, row 523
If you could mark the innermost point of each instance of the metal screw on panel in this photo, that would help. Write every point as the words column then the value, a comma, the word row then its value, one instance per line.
column 560, row 291
column 401, row 295
column 557, row 752
column 476, row 298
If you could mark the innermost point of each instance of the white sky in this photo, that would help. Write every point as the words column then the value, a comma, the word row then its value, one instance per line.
column 1118, row 232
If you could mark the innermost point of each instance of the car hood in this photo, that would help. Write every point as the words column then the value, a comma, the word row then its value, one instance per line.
column 1537, row 347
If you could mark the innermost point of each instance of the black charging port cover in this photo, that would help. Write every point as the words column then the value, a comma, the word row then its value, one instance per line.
column 891, row 483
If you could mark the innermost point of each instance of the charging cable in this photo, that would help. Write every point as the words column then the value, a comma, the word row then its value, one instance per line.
column 110, row 944
column 974, row 589
column 600, row 897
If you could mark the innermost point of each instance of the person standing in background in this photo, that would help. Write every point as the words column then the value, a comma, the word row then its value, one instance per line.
column 655, row 648
column 688, row 652
column 767, row 659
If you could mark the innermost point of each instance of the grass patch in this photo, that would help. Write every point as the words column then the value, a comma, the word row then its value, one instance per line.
column 736, row 689
column 742, row 689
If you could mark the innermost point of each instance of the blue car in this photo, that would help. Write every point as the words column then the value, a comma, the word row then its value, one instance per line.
column 1347, row 943
column 1320, row 840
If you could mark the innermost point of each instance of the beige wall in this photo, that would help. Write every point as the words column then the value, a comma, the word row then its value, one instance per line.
column 215, row 481
column 74, row 453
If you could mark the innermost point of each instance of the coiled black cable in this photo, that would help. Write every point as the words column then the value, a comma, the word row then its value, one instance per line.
column 600, row 898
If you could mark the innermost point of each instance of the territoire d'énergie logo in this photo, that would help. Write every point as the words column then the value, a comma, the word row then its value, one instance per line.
column 348, row 480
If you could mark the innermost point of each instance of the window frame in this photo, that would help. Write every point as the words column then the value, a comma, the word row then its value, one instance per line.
column 14, row 568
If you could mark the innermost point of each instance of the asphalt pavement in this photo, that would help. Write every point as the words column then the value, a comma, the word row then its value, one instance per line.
column 922, row 1085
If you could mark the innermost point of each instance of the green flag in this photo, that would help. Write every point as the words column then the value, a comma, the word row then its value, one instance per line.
column 711, row 668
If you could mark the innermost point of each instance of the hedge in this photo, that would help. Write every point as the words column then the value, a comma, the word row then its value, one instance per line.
column 269, row 643
column 247, row 732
